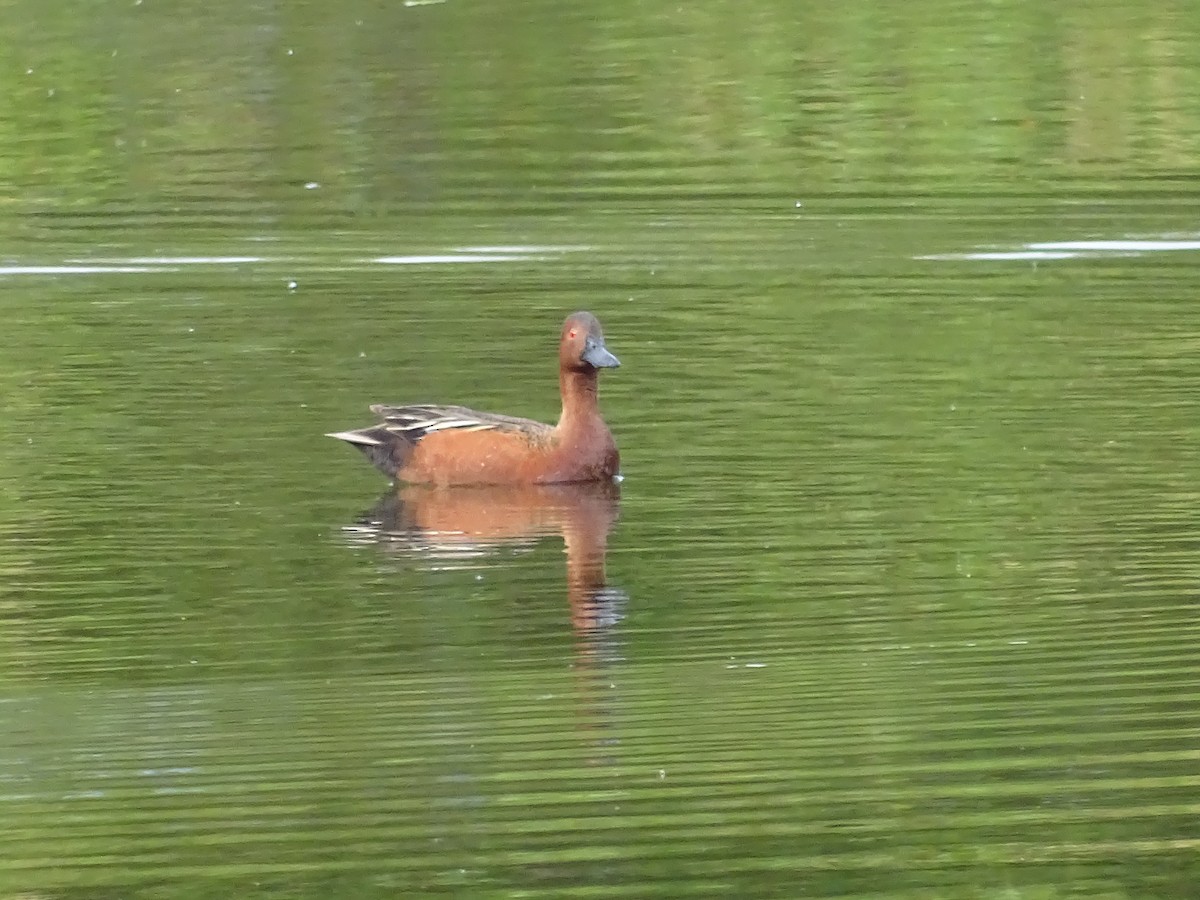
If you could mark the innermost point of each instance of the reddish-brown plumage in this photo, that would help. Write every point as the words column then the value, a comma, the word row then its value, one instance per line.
column 447, row 445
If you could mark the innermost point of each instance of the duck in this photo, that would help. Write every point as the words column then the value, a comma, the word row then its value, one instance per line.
column 446, row 445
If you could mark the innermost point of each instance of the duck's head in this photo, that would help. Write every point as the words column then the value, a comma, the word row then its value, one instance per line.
column 582, row 345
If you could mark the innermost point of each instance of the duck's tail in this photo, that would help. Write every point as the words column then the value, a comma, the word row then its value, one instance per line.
column 387, row 450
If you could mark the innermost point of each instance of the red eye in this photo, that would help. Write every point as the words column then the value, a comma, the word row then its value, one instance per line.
column 571, row 334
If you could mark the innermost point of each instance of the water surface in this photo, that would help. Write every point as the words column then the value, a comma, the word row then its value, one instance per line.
column 896, row 599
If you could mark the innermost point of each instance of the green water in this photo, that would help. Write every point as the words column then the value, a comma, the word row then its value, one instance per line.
column 897, row 598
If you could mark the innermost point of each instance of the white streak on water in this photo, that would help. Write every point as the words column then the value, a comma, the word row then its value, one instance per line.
column 1092, row 249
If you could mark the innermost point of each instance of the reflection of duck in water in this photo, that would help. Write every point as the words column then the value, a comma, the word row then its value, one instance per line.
column 447, row 527
column 453, row 445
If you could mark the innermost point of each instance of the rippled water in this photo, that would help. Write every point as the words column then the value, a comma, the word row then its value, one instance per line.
column 896, row 598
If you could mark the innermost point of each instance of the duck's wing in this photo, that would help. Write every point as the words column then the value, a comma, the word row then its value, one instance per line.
column 389, row 444
column 415, row 422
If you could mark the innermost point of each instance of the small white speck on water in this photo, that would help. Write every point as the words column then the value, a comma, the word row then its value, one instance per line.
column 191, row 330
column 291, row 52
column 362, row 354
column 311, row 185
column 292, row 285
column 29, row 71
column 799, row 204
column 662, row 773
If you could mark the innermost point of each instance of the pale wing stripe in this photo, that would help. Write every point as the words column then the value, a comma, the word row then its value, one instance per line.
column 455, row 423
column 405, row 423
column 354, row 438
column 441, row 425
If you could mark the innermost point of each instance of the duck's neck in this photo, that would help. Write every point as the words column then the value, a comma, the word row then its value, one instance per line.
column 579, row 403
